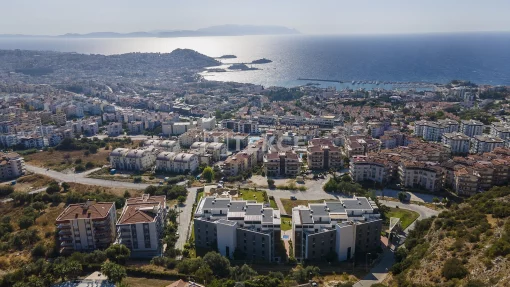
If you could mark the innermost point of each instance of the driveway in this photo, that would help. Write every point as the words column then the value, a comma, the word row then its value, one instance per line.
column 184, row 218
column 379, row 272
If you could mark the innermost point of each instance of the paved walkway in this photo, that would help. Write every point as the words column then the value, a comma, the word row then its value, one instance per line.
column 280, row 205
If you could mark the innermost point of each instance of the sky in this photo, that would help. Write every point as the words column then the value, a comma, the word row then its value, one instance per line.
column 54, row 17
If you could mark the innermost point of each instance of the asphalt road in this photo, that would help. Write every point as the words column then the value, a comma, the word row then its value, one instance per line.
column 184, row 218
column 379, row 272
column 80, row 178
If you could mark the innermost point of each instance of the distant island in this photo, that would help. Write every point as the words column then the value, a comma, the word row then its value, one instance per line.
column 242, row 67
column 223, row 30
column 228, row 57
column 262, row 61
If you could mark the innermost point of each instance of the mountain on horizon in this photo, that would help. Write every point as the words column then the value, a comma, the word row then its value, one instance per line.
column 222, row 30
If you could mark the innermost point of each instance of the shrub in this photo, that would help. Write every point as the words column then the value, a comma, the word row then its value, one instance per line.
column 270, row 182
column 79, row 168
column 89, row 165
column 25, row 222
column 77, row 161
column 453, row 268
column 6, row 190
column 39, row 250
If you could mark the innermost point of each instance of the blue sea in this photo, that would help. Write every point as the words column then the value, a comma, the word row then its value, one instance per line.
column 483, row 58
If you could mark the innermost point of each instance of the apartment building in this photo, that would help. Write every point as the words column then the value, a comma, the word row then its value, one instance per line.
column 177, row 162
column 246, row 226
column 426, row 175
column 465, row 182
column 114, row 129
column 282, row 164
column 241, row 126
column 140, row 159
column 471, row 128
column 500, row 130
column 207, row 123
column 141, row 225
column 216, row 150
column 163, row 145
column 485, row 143
column 86, row 226
column 365, row 168
column 361, row 145
column 344, row 227
column 393, row 139
column 457, row 142
column 433, row 131
column 322, row 154
column 12, row 165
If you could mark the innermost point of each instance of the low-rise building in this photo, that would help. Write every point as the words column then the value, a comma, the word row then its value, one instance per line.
column 364, row 168
column 228, row 225
column 322, row 154
column 140, row 159
column 141, row 225
column 86, row 226
column 215, row 149
column 12, row 165
column 177, row 162
column 426, row 175
column 282, row 164
column 342, row 228
column 114, row 129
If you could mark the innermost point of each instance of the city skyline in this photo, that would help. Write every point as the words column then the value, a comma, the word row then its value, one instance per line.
column 329, row 17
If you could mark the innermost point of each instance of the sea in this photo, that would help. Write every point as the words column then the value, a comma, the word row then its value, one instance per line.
column 483, row 58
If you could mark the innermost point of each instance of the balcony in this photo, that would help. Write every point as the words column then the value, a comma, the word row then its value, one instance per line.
column 64, row 226
column 65, row 232
column 66, row 244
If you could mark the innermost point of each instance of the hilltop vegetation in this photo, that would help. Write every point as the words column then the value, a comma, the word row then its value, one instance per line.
column 469, row 245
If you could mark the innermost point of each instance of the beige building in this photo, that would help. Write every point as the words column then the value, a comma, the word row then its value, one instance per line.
column 424, row 175
column 177, row 162
column 140, row 159
column 86, row 226
column 363, row 168
column 323, row 154
column 282, row 164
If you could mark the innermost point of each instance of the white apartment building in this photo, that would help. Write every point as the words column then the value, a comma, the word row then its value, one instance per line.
column 471, row 128
column 457, row 142
column 12, row 165
column 485, row 143
column 86, row 226
column 216, row 150
column 141, row 225
column 163, row 145
column 177, row 162
column 133, row 159
column 362, row 168
column 500, row 130
column 433, row 131
column 207, row 123
column 241, row 126
column 424, row 175
column 114, row 129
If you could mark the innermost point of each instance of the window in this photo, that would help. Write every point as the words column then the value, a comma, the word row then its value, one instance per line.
column 147, row 244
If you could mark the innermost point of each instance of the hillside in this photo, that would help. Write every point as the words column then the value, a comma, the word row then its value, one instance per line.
column 469, row 245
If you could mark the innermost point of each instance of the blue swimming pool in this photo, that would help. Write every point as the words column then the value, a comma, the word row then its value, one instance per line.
column 285, row 237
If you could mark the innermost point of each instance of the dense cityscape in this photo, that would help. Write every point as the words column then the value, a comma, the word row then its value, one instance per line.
column 131, row 166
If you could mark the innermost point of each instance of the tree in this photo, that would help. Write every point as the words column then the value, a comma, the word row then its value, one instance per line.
column 39, row 250
column 65, row 186
column 79, row 168
column 402, row 196
column 68, row 270
column 208, row 174
column 435, row 200
column 114, row 272
column 181, row 199
column 53, row 188
column 6, row 190
column 219, row 264
column 89, row 165
column 270, row 182
column 118, row 253
column 25, row 222
column 331, row 186
column 453, row 268
column 204, row 274
column 38, row 205
column 242, row 273
column 127, row 194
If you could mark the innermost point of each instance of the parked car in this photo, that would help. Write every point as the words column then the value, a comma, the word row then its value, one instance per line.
column 292, row 197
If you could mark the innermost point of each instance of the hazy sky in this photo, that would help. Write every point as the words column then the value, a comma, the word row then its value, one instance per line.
column 308, row 16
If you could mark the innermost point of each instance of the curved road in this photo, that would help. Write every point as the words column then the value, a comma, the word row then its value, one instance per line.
column 379, row 272
column 80, row 178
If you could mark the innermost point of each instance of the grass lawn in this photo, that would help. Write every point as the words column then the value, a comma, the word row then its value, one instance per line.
column 252, row 195
column 286, row 224
column 288, row 204
column 272, row 203
column 62, row 160
column 406, row 216
column 143, row 282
